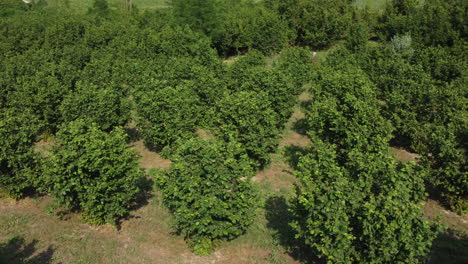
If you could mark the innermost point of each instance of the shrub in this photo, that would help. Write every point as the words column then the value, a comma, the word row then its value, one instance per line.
column 94, row 172
column 401, row 45
column 345, row 112
column 244, row 75
column 42, row 93
column 247, row 118
column 447, row 161
column 358, row 36
column 360, row 210
column 296, row 64
column 316, row 23
column 18, row 131
column 278, row 89
column 248, row 26
column 166, row 114
column 209, row 192
column 106, row 107
column 200, row 15
column 431, row 23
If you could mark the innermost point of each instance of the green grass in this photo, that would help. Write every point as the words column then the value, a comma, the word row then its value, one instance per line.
column 83, row 5
column 372, row 4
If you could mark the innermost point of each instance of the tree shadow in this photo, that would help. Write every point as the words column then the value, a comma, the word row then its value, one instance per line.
column 292, row 154
column 401, row 141
column 301, row 126
column 450, row 247
column 152, row 147
column 146, row 185
column 17, row 251
column 146, row 193
column 279, row 217
column 133, row 134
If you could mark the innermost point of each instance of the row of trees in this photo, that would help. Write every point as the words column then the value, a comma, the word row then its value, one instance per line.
column 78, row 80
column 354, row 203
column 352, row 200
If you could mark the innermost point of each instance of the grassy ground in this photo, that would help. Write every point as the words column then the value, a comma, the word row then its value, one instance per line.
column 83, row 5
column 372, row 4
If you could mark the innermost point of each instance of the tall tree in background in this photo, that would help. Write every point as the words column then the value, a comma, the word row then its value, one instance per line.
column 100, row 7
column 200, row 15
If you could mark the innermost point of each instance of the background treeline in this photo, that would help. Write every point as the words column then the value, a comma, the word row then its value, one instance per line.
column 81, row 82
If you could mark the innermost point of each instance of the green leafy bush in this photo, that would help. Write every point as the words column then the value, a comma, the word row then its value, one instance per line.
column 11, row 7
column 363, row 209
column 209, row 192
column 280, row 91
column 246, row 26
column 344, row 112
column 247, row 118
column 358, row 36
column 166, row 114
column 447, row 161
column 201, row 15
column 432, row 22
column 296, row 63
column 18, row 166
column 41, row 93
column 94, row 172
column 316, row 23
column 106, row 107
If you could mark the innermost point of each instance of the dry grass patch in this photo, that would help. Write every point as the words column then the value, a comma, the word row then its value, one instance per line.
column 433, row 210
column 403, row 155
column 43, row 147
column 150, row 159
column 145, row 237
column 205, row 134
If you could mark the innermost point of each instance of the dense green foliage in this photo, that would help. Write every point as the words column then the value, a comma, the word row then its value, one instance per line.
column 245, row 117
column 18, row 131
column 315, row 23
column 354, row 203
column 247, row 26
column 420, row 76
column 433, row 22
column 360, row 209
column 345, row 112
column 166, row 114
column 81, row 81
column 106, row 107
column 93, row 171
column 208, row 189
column 296, row 64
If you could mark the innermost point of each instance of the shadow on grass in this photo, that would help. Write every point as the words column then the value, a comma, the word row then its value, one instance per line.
column 279, row 217
column 292, row 154
column 300, row 126
column 17, row 251
column 450, row 248
column 133, row 134
column 146, row 193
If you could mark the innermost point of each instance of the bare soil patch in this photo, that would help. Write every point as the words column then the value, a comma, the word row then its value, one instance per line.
column 205, row 134
column 433, row 209
column 43, row 147
column 150, row 159
column 404, row 155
